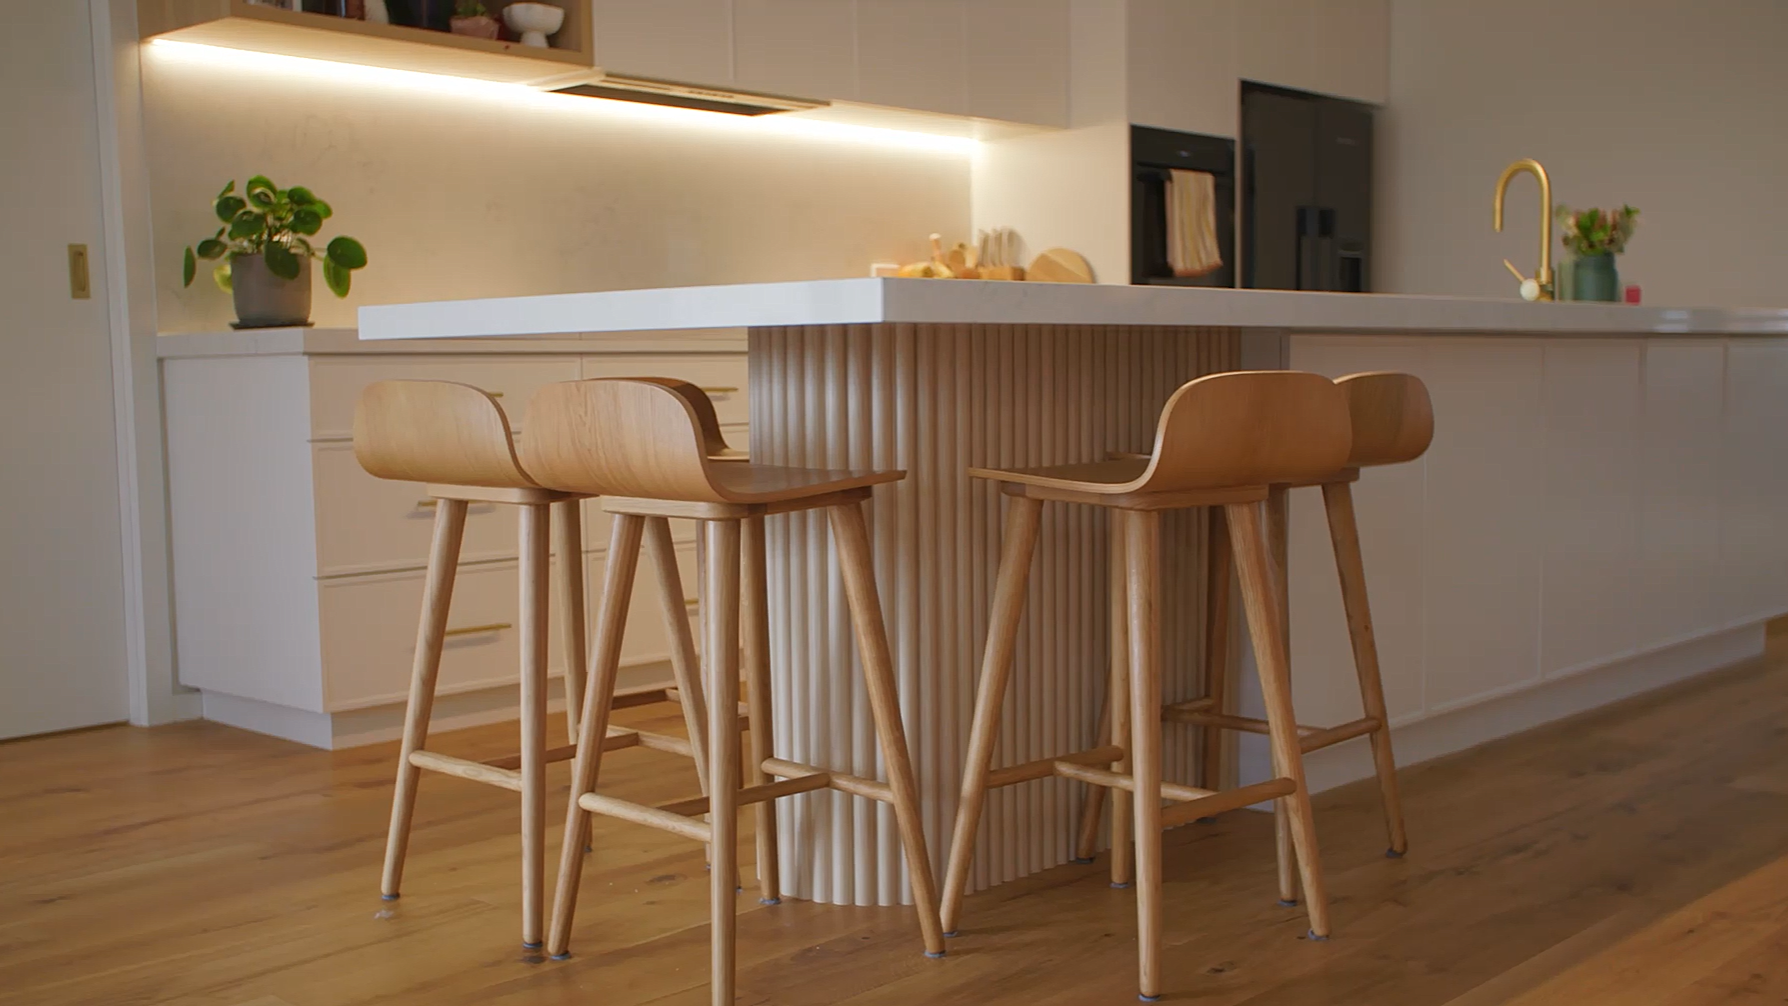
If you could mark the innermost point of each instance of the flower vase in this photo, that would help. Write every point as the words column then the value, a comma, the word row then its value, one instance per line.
column 1593, row 277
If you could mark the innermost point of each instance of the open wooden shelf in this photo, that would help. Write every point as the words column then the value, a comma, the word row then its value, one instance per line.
column 238, row 24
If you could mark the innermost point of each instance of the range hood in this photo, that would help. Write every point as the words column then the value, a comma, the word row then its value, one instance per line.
column 620, row 87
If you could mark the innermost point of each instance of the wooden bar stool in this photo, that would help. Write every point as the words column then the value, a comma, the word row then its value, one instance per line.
column 456, row 438
column 1221, row 442
column 1393, row 423
column 639, row 446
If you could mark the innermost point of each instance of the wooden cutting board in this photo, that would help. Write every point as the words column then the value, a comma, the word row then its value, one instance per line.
column 1059, row 265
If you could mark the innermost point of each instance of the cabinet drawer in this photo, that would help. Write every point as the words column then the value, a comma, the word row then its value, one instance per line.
column 369, row 635
column 369, row 629
column 366, row 524
column 722, row 375
column 336, row 382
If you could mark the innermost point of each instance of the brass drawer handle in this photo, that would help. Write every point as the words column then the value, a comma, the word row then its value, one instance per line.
column 475, row 630
column 494, row 394
column 425, row 504
column 720, row 391
column 690, row 602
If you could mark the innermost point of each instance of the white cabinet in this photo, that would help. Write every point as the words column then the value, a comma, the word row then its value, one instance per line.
column 913, row 54
column 1182, row 65
column 1338, row 47
column 1018, row 55
column 298, row 577
column 805, row 48
column 683, row 40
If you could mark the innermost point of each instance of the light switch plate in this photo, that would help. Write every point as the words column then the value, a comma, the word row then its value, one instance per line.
column 78, row 285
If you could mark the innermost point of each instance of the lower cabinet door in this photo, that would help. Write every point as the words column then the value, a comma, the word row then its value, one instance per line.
column 369, row 630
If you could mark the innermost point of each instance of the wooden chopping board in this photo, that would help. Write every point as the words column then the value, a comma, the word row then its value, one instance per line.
column 1059, row 265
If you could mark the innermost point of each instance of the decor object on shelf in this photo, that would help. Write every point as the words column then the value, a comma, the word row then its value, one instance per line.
column 471, row 18
column 435, row 15
column 266, row 251
column 995, row 252
column 933, row 268
column 377, row 12
column 1060, row 265
column 535, row 21
column 1593, row 237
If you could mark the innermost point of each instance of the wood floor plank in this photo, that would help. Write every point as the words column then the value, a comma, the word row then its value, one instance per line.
column 196, row 864
column 1720, row 943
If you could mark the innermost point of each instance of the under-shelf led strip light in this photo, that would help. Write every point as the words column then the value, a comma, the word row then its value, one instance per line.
column 519, row 95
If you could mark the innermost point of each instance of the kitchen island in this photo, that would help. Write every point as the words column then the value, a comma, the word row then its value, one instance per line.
column 1597, row 515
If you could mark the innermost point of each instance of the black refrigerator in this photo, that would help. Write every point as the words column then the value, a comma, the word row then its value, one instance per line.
column 1306, row 205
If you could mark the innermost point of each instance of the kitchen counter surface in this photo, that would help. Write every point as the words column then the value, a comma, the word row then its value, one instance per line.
column 293, row 341
column 871, row 301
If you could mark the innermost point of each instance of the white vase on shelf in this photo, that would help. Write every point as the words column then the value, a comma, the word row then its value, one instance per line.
column 377, row 13
column 535, row 21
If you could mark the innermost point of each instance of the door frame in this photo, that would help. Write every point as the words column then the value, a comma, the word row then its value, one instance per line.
column 156, row 696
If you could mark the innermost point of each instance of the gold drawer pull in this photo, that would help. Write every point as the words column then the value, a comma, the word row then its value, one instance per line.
column 474, row 630
column 425, row 504
column 720, row 391
column 690, row 602
column 494, row 394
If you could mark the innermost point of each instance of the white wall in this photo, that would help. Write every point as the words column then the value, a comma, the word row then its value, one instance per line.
column 1676, row 108
column 477, row 192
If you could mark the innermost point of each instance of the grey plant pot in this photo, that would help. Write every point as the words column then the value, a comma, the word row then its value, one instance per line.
column 263, row 300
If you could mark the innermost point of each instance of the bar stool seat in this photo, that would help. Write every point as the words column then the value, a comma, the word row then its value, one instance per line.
column 640, row 446
column 457, row 440
column 1222, row 441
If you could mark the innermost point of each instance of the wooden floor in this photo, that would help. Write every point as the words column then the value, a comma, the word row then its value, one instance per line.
column 1635, row 855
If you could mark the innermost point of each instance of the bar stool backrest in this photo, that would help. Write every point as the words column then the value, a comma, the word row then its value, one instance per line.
column 1248, row 428
column 621, row 437
column 1393, row 419
column 436, row 431
column 706, row 419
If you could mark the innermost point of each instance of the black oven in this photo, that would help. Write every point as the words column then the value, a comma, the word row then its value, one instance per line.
column 1155, row 155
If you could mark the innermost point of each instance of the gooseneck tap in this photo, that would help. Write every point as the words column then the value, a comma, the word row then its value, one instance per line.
column 1541, row 288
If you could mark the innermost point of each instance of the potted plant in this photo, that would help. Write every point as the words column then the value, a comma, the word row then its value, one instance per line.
column 471, row 18
column 1594, row 237
column 265, row 244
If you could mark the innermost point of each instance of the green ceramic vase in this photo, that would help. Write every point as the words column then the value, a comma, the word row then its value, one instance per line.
column 1593, row 277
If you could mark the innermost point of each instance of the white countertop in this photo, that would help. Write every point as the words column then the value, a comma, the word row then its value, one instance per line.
column 291, row 341
column 869, row 301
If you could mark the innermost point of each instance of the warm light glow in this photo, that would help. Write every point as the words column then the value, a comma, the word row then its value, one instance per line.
column 519, row 95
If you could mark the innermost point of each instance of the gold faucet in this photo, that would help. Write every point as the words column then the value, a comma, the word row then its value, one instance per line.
column 1543, row 279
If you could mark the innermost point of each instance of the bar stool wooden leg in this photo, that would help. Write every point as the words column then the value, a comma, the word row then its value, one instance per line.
column 1337, row 499
column 756, row 616
column 437, row 597
column 685, row 665
column 617, row 591
column 1249, row 541
column 536, row 558
column 851, row 535
column 568, row 545
column 1220, row 573
column 1092, row 805
column 1142, row 547
column 1017, row 548
column 1117, row 703
column 1114, row 722
column 721, row 650
column 1278, row 508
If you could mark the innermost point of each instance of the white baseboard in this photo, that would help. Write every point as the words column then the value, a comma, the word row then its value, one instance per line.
column 378, row 724
column 1511, row 713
